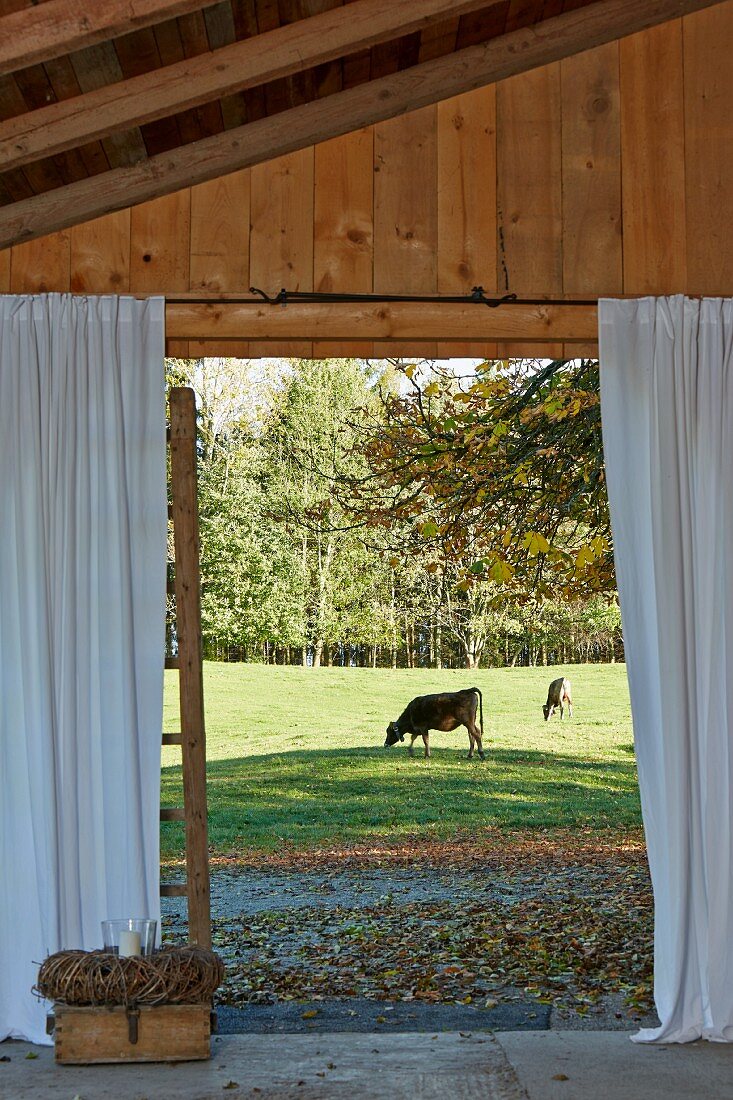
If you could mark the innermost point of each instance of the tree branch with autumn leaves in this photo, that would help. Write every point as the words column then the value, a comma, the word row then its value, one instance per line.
column 501, row 474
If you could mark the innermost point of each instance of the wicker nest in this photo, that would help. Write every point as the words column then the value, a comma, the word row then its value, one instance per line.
column 173, row 975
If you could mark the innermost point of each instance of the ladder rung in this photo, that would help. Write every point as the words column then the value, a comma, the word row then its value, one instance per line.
column 172, row 662
column 172, row 738
column 173, row 889
column 172, row 813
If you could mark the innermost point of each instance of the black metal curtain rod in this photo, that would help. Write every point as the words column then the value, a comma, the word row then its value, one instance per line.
column 477, row 295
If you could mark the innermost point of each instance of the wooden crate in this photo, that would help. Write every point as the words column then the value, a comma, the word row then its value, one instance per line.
column 166, row 1033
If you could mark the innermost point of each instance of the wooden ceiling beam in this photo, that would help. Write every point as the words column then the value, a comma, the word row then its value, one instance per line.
column 395, row 321
column 358, row 25
column 33, row 35
column 337, row 114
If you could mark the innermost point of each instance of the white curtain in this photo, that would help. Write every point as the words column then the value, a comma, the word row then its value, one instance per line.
column 82, row 609
column 667, row 411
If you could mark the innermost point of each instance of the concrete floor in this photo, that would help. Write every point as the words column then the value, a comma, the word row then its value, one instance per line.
column 522, row 1065
column 606, row 1065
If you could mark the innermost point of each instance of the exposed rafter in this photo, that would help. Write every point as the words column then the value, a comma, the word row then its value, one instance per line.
column 33, row 35
column 247, row 64
column 336, row 114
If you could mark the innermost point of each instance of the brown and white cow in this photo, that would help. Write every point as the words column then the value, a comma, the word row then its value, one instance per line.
column 443, row 712
column 558, row 694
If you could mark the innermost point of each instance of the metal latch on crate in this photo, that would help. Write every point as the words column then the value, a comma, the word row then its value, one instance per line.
column 133, row 1020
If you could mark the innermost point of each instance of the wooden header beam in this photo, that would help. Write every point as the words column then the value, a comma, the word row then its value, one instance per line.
column 291, row 49
column 395, row 321
column 340, row 113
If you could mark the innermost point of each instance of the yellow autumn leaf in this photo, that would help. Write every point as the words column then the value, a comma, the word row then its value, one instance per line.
column 584, row 558
column 501, row 571
column 536, row 543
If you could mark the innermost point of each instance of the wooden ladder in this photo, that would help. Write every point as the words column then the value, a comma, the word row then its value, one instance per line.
column 189, row 662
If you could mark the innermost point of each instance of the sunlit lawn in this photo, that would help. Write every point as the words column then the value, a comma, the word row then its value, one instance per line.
column 296, row 756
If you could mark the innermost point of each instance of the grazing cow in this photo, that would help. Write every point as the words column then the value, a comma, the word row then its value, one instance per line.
column 439, row 712
column 558, row 694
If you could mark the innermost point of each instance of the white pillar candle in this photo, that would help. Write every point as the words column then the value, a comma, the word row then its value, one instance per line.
column 129, row 943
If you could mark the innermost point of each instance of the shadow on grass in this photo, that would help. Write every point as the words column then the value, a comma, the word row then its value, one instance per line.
column 315, row 796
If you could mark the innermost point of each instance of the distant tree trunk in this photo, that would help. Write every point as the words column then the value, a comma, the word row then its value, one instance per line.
column 304, row 656
column 469, row 654
column 317, row 653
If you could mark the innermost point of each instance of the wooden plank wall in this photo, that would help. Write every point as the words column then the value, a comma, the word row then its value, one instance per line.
column 609, row 173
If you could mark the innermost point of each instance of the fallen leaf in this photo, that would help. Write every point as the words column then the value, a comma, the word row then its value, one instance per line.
column 570, row 946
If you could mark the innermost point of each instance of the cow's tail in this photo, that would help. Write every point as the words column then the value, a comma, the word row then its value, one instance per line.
column 480, row 709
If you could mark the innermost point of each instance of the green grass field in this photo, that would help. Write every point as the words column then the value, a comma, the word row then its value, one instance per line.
column 296, row 757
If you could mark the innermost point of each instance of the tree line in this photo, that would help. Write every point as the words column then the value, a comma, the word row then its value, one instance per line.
column 374, row 514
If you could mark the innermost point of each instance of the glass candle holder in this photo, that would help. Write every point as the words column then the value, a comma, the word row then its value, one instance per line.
column 132, row 936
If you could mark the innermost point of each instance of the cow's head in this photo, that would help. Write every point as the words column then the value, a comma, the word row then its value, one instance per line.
column 546, row 711
column 394, row 734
